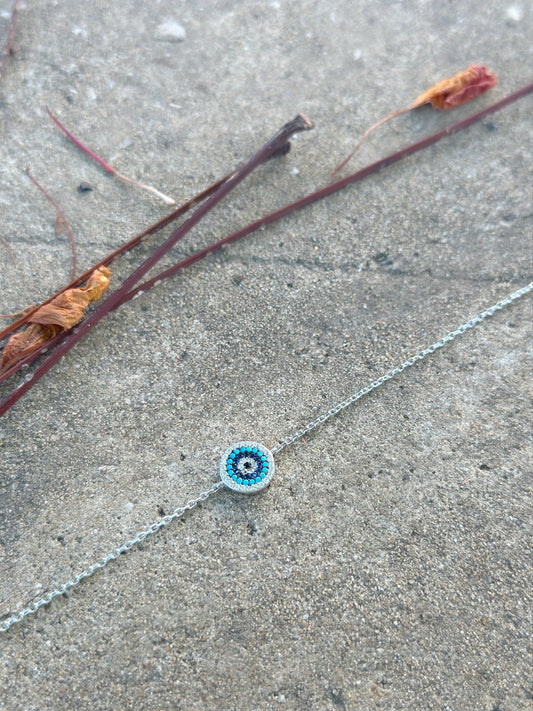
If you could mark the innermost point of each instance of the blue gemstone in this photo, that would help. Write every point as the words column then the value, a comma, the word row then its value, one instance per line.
column 242, row 449
column 258, row 479
column 239, row 480
column 234, row 477
column 254, row 450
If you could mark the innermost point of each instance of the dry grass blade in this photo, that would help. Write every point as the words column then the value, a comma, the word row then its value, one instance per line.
column 61, row 216
column 109, row 168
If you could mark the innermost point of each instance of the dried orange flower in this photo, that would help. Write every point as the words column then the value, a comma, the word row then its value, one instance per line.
column 60, row 314
column 447, row 94
column 457, row 90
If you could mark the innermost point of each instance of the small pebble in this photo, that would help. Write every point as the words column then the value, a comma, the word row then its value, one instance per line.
column 171, row 30
column 84, row 187
column 514, row 12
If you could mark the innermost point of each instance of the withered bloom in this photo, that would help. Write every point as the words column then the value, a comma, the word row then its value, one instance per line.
column 447, row 94
column 457, row 90
column 60, row 314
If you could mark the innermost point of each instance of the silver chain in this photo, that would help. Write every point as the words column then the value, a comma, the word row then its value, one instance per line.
column 179, row 512
column 76, row 580
column 399, row 369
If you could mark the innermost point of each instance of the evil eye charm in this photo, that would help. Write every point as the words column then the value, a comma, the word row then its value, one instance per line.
column 247, row 467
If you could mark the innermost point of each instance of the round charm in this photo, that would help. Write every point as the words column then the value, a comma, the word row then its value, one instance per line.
column 247, row 467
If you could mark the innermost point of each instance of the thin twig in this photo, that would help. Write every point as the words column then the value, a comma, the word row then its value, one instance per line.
column 330, row 189
column 365, row 135
column 8, row 47
column 62, row 216
column 166, row 199
column 272, row 147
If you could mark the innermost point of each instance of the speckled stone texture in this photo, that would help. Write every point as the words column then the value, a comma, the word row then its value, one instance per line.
column 388, row 564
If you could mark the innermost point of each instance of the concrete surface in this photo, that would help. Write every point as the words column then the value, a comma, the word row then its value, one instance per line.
column 388, row 565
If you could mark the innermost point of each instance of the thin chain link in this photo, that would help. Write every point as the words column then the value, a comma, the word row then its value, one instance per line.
column 113, row 555
column 177, row 513
column 399, row 369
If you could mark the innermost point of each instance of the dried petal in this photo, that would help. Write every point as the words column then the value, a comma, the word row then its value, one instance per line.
column 67, row 308
column 26, row 342
column 459, row 89
column 60, row 314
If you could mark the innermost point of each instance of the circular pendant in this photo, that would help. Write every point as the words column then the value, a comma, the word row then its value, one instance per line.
column 247, row 467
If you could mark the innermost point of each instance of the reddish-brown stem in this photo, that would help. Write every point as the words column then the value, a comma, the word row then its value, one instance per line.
column 60, row 213
column 277, row 142
column 163, row 222
column 106, row 166
column 330, row 189
column 8, row 47
column 80, row 145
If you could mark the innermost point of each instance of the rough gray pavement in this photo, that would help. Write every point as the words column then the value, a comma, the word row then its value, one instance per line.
column 388, row 566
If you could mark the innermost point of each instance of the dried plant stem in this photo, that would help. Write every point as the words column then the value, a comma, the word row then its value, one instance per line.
column 366, row 134
column 273, row 146
column 109, row 168
column 60, row 213
column 8, row 47
column 331, row 188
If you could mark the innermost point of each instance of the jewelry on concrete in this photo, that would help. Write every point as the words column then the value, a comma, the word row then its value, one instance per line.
column 248, row 467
